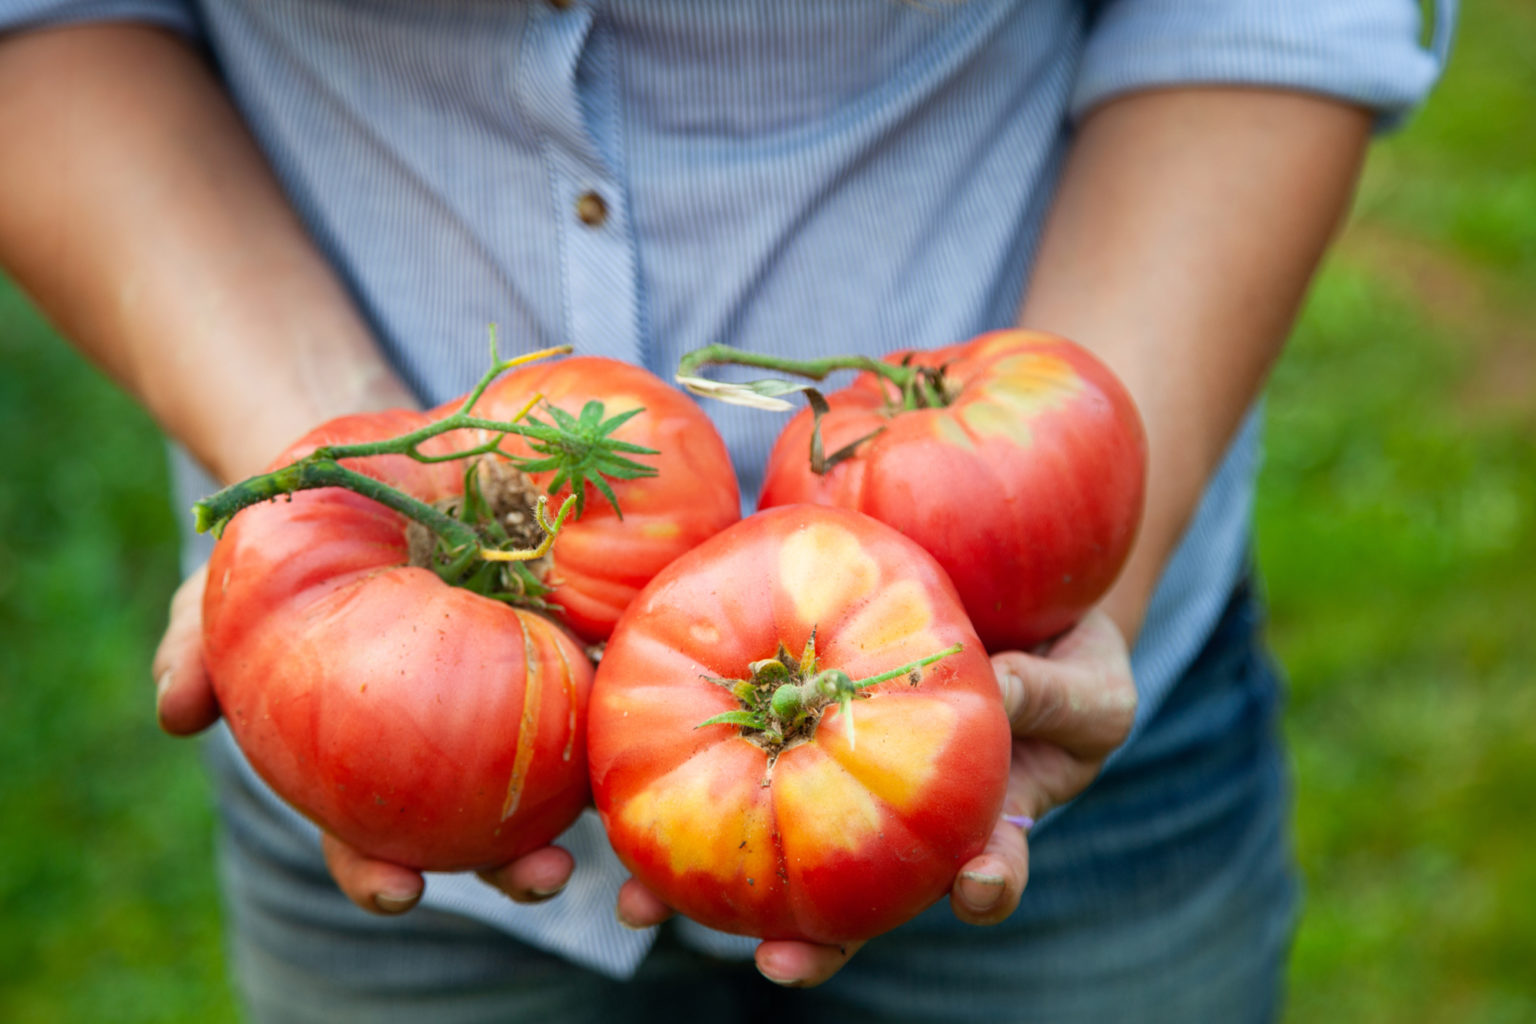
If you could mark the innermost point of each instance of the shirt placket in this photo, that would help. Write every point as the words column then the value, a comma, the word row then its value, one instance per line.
column 599, row 283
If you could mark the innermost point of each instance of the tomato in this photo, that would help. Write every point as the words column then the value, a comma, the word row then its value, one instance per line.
column 421, row 722
column 603, row 559
column 833, row 830
column 1025, row 481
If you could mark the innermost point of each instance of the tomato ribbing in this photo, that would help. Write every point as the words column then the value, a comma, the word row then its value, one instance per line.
column 390, row 682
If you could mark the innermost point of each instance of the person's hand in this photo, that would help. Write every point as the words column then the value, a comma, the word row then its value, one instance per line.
column 185, row 704
column 1070, row 705
column 184, row 700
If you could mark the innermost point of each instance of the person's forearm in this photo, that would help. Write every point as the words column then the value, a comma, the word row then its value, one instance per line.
column 1188, row 225
column 141, row 218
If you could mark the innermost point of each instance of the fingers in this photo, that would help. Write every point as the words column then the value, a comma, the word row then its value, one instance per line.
column 783, row 962
column 380, row 887
column 1079, row 695
column 802, row 964
column 534, row 877
column 638, row 907
column 184, row 700
column 990, row 885
column 375, row 885
column 793, row 964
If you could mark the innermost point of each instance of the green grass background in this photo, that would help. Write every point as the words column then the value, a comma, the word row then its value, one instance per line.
column 1396, row 529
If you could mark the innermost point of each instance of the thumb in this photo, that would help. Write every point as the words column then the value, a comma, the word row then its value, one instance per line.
column 184, row 699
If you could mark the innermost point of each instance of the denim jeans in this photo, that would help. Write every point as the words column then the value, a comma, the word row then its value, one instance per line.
column 1165, row 893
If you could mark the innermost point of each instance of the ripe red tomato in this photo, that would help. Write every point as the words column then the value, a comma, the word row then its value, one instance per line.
column 421, row 722
column 1026, row 483
column 830, row 830
column 602, row 560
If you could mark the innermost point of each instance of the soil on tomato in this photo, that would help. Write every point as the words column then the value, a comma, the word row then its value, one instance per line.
column 512, row 498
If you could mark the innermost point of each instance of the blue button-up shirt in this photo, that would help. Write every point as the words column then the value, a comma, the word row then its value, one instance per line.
column 638, row 178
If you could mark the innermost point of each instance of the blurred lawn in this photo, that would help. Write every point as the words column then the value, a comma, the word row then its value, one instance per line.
column 1397, row 530
column 106, row 862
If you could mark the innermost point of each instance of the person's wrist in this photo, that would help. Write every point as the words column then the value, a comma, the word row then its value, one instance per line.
column 1126, row 606
column 247, row 444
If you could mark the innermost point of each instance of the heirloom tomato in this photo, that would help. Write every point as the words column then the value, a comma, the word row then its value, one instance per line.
column 853, row 750
column 1017, row 459
column 425, row 723
column 603, row 558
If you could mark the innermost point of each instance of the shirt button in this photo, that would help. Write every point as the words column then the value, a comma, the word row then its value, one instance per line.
column 591, row 210
column 559, row 5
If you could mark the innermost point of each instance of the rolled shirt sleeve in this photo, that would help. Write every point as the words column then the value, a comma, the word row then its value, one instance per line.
column 1367, row 52
column 177, row 15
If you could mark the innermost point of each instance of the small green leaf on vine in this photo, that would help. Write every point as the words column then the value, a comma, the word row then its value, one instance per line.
column 745, row 719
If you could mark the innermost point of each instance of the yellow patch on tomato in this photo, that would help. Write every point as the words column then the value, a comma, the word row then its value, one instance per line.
column 1033, row 381
column 707, row 819
column 897, row 617
column 898, row 741
column 661, row 529
column 947, row 429
column 989, row 419
column 821, row 806
column 824, row 568
column 1018, row 388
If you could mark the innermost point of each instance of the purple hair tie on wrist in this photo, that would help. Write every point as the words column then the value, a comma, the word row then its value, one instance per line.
column 1023, row 821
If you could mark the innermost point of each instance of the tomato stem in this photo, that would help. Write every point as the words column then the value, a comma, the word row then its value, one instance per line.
column 916, row 387
column 314, row 471
column 909, row 669
column 815, row 369
column 550, row 527
column 579, row 449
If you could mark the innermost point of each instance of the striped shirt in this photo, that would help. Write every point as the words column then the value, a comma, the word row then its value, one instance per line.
column 638, row 178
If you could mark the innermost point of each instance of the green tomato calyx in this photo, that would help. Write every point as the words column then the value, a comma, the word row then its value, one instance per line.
column 784, row 698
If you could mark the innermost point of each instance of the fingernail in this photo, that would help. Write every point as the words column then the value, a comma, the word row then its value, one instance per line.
column 978, row 891
column 626, row 922
column 1012, row 688
column 1022, row 821
column 395, row 902
column 783, row 982
column 540, row 895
